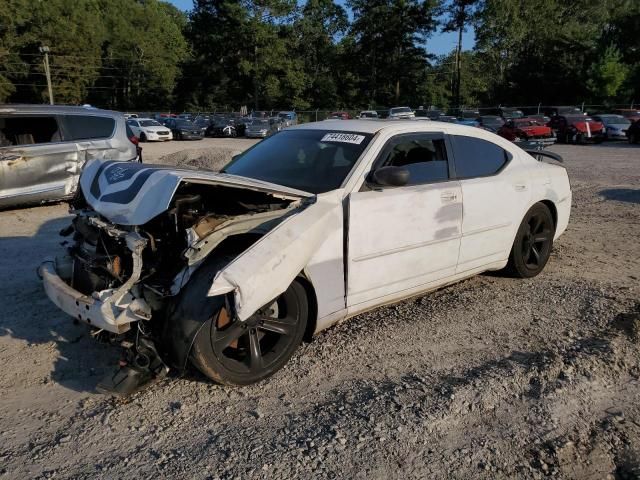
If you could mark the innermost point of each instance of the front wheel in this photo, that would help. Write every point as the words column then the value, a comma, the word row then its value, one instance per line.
column 532, row 246
column 234, row 352
column 143, row 137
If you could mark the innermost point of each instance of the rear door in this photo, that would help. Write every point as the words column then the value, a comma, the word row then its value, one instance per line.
column 495, row 193
column 402, row 238
column 94, row 137
column 36, row 163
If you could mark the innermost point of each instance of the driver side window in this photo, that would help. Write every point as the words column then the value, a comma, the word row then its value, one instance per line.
column 424, row 158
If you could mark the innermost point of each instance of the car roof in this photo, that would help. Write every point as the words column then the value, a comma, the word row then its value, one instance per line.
column 377, row 125
column 21, row 108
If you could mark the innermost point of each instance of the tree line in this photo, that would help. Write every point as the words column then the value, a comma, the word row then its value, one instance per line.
column 148, row 55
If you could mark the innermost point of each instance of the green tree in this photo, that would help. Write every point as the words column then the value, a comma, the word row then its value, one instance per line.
column 314, row 32
column 389, row 49
column 608, row 74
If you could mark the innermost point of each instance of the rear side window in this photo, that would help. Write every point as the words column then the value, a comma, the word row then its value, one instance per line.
column 28, row 130
column 475, row 157
column 88, row 127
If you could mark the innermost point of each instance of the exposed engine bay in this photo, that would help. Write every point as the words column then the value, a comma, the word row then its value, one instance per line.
column 128, row 276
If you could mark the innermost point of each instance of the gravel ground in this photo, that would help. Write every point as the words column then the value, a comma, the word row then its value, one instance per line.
column 490, row 378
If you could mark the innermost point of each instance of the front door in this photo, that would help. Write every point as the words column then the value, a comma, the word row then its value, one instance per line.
column 401, row 238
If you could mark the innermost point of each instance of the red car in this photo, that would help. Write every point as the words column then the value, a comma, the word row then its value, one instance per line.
column 341, row 115
column 577, row 129
column 524, row 129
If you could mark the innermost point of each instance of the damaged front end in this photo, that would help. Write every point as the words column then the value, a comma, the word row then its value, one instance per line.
column 135, row 243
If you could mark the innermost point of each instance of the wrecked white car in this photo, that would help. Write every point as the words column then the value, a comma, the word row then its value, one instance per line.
column 230, row 271
column 44, row 147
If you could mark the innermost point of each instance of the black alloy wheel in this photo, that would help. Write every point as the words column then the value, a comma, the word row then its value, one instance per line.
column 236, row 352
column 532, row 245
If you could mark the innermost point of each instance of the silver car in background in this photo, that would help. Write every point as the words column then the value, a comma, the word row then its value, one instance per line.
column 615, row 126
column 43, row 149
column 262, row 127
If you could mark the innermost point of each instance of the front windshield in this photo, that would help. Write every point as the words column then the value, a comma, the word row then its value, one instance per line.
column 286, row 116
column 260, row 123
column 492, row 121
column 150, row 123
column 184, row 123
column 315, row 161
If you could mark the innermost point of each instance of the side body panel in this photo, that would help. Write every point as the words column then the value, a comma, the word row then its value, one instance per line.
column 493, row 209
column 264, row 271
column 402, row 237
column 35, row 173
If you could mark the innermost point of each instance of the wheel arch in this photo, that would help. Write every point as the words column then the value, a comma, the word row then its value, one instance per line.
column 552, row 208
column 312, row 303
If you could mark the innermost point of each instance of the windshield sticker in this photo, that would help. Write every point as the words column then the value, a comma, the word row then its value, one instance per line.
column 343, row 137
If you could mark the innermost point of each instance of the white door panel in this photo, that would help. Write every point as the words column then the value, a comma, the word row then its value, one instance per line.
column 493, row 209
column 402, row 237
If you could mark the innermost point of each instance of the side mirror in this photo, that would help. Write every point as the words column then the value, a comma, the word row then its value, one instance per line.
column 391, row 176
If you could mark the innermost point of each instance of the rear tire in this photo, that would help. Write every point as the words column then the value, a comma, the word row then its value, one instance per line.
column 232, row 352
column 533, row 243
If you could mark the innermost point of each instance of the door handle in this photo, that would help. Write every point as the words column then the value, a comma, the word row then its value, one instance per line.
column 520, row 187
column 448, row 196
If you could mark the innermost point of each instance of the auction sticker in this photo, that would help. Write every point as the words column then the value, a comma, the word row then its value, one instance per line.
column 343, row 137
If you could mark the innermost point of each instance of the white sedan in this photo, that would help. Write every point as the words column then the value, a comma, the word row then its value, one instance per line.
column 148, row 130
column 230, row 271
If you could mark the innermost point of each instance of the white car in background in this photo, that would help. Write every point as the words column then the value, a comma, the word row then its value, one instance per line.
column 229, row 271
column 615, row 126
column 149, row 130
column 368, row 114
column 397, row 113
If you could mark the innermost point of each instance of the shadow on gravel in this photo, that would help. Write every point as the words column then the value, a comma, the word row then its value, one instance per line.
column 628, row 195
column 27, row 314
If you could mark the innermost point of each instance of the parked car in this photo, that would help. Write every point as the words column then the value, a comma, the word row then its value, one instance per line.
column 184, row 129
column 524, row 129
column 447, row 119
column 510, row 112
column 147, row 129
column 230, row 271
column 577, row 129
column 633, row 132
column 491, row 122
column 615, row 126
column 540, row 118
column 397, row 113
column 469, row 122
column 566, row 110
column 261, row 128
column 43, row 148
column 288, row 118
column 469, row 114
column 340, row 116
column 633, row 114
column 222, row 127
column 368, row 114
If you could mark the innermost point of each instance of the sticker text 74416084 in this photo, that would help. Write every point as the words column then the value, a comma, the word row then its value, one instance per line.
column 343, row 137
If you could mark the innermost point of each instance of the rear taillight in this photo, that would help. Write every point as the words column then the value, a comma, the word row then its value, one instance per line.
column 135, row 140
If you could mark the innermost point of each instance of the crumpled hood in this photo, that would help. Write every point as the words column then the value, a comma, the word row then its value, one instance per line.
column 132, row 193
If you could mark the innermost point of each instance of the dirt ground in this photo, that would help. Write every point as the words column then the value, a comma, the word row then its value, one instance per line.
column 490, row 378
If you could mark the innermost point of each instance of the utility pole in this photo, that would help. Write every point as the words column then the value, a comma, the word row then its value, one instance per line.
column 45, row 50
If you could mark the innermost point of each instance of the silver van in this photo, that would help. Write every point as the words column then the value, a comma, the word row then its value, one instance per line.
column 44, row 147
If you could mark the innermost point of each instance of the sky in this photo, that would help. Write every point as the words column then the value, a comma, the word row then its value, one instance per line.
column 438, row 44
